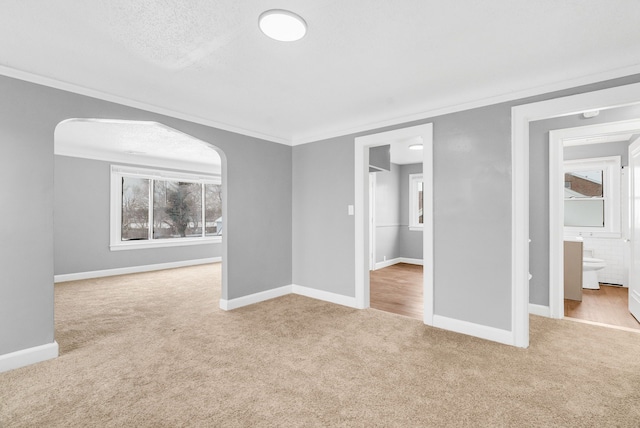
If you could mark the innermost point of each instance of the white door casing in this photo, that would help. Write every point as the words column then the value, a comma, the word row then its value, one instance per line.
column 634, row 191
column 520, row 117
column 372, row 221
column 556, row 200
column 362, row 145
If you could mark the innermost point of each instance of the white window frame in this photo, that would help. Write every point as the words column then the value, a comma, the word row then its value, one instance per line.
column 414, row 214
column 610, row 167
column 120, row 171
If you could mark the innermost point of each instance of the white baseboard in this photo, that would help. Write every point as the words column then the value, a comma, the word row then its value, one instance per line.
column 391, row 262
column 325, row 295
column 25, row 357
column 472, row 329
column 239, row 302
column 132, row 269
column 540, row 310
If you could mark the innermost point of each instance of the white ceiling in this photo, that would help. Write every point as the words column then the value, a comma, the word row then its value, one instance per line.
column 136, row 142
column 402, row 155
column 363, row 63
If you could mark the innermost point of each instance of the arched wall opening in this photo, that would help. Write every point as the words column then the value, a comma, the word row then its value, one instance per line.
column 93, row 234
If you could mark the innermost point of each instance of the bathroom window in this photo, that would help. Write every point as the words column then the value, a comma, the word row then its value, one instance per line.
column 154, row 208
column 416, row 203
column 592, row 197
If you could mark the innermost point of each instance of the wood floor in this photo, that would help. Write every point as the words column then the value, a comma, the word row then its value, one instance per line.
column 398, row 289
column 609, row 305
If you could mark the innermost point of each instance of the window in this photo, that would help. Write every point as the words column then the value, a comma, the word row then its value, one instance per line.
column 154, row 208
column 592, row 196
column 416, row 186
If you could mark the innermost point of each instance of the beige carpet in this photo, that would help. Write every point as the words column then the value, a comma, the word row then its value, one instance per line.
column 154, row 350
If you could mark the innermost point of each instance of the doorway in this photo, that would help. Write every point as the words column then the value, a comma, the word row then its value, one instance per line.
column 522, row 116
column 589, row 178
column 396, row 230
column 364, row 257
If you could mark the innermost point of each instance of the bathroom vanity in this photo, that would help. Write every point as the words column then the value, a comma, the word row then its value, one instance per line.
column 573, row 270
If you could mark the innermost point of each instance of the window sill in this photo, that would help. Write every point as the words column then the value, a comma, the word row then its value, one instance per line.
column 568, row 234
column 140, row 245
column 416, row 228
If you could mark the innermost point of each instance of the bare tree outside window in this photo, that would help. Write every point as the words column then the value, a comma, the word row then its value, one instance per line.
column 171, row 208
column 177, row 209
column 135, row 208
column 213, row 209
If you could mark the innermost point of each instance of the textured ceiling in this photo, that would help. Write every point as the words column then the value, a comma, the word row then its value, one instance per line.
column 363, row 62
column 141, row 143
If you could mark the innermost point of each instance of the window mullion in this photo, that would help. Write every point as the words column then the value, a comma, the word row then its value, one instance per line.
column 202, row 204
column 152, row 185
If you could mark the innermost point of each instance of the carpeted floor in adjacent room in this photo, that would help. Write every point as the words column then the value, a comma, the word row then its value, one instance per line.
column 154, row 350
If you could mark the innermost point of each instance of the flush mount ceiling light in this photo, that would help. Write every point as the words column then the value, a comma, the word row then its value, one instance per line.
column 415, row 147
column 282, row 25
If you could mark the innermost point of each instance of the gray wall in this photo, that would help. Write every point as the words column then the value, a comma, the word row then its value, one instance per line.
column 410, row 240
column 257, row 199
column 277, row 198
column 472, row 211
column 387, row 207
column 323, row 244
column 81, row 221
column 587, row 151
column 393, row 237
column 539, row 190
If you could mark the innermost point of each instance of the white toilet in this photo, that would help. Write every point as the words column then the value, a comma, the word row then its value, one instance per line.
column 590, row 266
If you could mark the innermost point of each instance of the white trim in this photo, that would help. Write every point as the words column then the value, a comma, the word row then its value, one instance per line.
column 115, row 220
column 401, row 117
column 539, row 310
column 325, row 296
column 611, row 167
column 361, row 145
column 133, row 269
column 521, row 116
column 556, row 204
column 339, row 299
column 228, row 305
column 414, row 212
column 25, row 357
column 391, row 262
column 164, row 243
column 373, row 225
column 473, row 329
column 398, row 118
column 81, row 90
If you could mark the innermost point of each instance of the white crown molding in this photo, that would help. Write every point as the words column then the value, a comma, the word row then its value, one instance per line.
column 457, row 107
column 352, row 128
column 81, row 90
column 101, row 155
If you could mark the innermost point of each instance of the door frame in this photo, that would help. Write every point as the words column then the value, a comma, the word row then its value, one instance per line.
column 556, row 201
column 362, row 145
column 372, row 221
column 520, row 117
column 634, row 296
